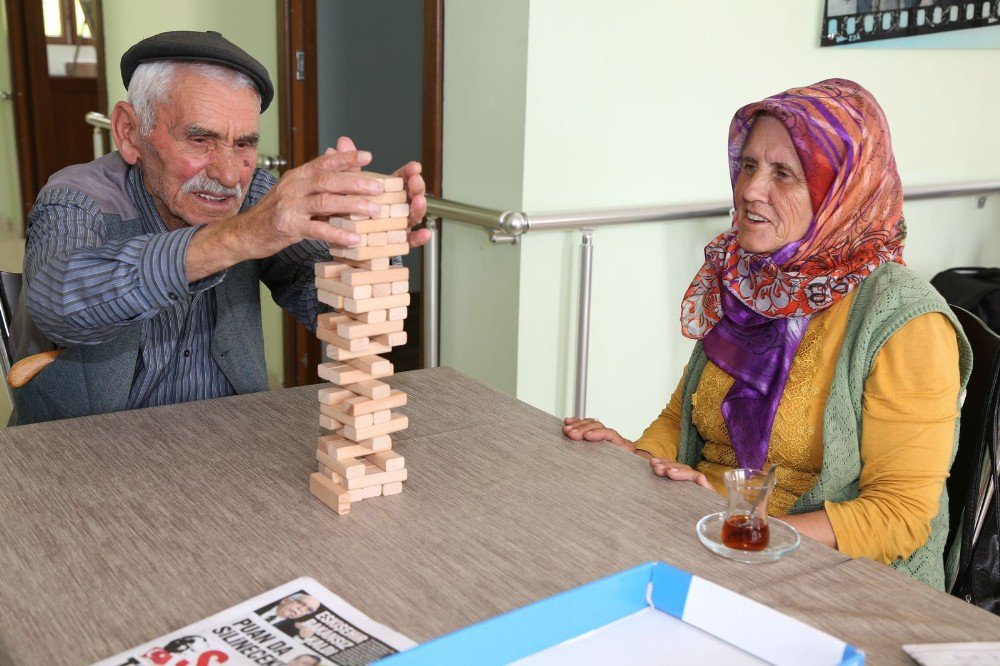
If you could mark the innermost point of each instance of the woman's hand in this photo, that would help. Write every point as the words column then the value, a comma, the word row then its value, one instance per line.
column 592, row 430
column 676, row 471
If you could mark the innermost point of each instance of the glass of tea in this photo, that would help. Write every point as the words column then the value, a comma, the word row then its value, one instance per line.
column 745, row 518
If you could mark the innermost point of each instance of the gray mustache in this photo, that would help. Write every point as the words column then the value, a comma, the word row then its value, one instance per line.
column 202, row 183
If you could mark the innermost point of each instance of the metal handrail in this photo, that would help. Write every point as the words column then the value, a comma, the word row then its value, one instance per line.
column 509, row 226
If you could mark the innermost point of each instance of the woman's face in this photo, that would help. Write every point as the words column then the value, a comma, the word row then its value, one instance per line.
column 771, row 196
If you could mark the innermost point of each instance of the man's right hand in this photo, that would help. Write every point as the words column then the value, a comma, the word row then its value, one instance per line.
column 321, row 188
column 592, row 430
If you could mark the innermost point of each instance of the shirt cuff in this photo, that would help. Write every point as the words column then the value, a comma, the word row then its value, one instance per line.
column 162, row 270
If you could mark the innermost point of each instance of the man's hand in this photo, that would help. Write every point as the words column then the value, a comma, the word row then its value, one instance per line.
column 592, row 430
column 416, row 190
column 295, row 209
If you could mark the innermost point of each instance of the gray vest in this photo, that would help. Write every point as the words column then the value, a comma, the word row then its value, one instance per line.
column 97, row 379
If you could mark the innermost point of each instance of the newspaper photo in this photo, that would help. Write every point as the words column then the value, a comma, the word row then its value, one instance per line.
column 300, row 623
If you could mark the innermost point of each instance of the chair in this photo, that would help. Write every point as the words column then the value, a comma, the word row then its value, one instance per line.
column 971, row 484
column 17, row 372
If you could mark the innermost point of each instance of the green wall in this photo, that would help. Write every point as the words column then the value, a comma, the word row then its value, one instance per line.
column 10, row 192
column 628, row 104
column 483, row 156
column 251, row 24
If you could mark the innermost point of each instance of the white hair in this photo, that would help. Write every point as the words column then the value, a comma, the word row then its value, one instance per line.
column 152, row 82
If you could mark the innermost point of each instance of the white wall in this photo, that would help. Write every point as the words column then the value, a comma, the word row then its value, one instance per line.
column 628, row 104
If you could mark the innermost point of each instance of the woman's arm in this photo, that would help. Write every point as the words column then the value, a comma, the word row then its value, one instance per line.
column 909, row 410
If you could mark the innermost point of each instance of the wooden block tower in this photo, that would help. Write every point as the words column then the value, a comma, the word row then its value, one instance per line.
column 370, row 299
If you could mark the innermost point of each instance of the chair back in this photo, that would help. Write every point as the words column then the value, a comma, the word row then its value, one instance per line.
column 10, row 289
column 969, row 486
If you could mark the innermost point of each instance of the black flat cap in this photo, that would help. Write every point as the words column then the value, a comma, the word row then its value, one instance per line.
column 208, row 47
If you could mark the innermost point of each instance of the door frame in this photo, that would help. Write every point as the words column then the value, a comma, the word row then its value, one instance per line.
column 299, row 133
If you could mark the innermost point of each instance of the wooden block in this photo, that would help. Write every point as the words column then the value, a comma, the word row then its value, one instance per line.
column 387, row 197
column 329, row 270
column 390, row 340
column 380, row 417
column 373, row 365
column 393, row 314
column 346, row 375
column 355, row 495
column 357, row 329
column 330, row 493
column 372, row 491
column 390, row 183
column 345, row 290
column 375, row 390
column 372, row 317
column 331, row 319
column 339, row 448
column 377, row 239
column 334, row 395
column 376, row 264
column 367, row 226
column 379, row 443
column 366, row 304
column 396, row 236
column 339, row 354
column 365, row 253
column 396, row 424
column 363, row 405
column 333, row 300
column 347, row 468
column 399, row 210
column 394, row 488
column 356, row 344
column 355, row 276
column 328, row 423
column 390, row 461
column 400, row 287
column 363, row 421
column 376, row 478
column 381, row 290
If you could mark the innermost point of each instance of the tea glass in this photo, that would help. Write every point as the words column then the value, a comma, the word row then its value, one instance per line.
column 745, row 519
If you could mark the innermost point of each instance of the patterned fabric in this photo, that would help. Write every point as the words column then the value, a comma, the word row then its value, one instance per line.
column 86, row 289
column 842, row 139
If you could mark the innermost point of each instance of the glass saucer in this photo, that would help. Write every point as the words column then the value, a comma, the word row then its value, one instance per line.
column 784, row 540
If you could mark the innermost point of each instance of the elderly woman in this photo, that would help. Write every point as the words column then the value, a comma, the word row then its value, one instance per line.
column 819, row 351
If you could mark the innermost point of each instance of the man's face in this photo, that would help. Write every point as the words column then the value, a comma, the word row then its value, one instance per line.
column 292, row 608
column 199, row 159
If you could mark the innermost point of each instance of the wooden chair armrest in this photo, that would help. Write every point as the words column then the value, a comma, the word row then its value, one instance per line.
column 22, row 371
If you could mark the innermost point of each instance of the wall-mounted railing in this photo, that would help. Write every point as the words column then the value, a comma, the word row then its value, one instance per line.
column 507, row 227
column 510, row 226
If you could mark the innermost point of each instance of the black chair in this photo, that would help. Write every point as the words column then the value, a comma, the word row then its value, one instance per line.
column 971, row 486
column 10, row 289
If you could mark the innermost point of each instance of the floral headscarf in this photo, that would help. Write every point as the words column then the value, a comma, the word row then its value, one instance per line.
column 753, row 327
column 842, row 139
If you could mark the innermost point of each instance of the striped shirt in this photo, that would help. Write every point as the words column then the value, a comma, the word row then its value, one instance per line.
column 85, row 289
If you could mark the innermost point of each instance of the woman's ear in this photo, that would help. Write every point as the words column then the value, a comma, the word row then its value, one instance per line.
column 125, row 128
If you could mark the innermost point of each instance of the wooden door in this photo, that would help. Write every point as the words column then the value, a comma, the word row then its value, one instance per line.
column 298, row 99
column 48, row 110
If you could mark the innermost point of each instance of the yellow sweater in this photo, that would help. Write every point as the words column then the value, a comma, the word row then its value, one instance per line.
column 908, row 427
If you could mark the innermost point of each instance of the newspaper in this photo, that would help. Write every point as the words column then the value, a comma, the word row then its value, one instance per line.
column 300, row 623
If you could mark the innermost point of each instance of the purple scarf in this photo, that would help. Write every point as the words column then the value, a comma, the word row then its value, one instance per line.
column 757, row 352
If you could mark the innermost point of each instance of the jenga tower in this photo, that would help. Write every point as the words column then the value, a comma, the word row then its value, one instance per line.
column 370, row 299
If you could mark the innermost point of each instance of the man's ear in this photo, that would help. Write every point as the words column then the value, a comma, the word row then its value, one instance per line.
column 125, row 130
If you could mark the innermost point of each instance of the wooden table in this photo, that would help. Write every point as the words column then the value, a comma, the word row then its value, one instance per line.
column 119, row 528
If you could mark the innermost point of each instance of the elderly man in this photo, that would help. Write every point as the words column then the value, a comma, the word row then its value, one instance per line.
column 145, row 264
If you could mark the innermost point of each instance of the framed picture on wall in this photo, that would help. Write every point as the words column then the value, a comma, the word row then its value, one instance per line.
column 855, row 21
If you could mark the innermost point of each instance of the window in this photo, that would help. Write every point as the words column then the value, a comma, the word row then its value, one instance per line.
column 68, row 21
